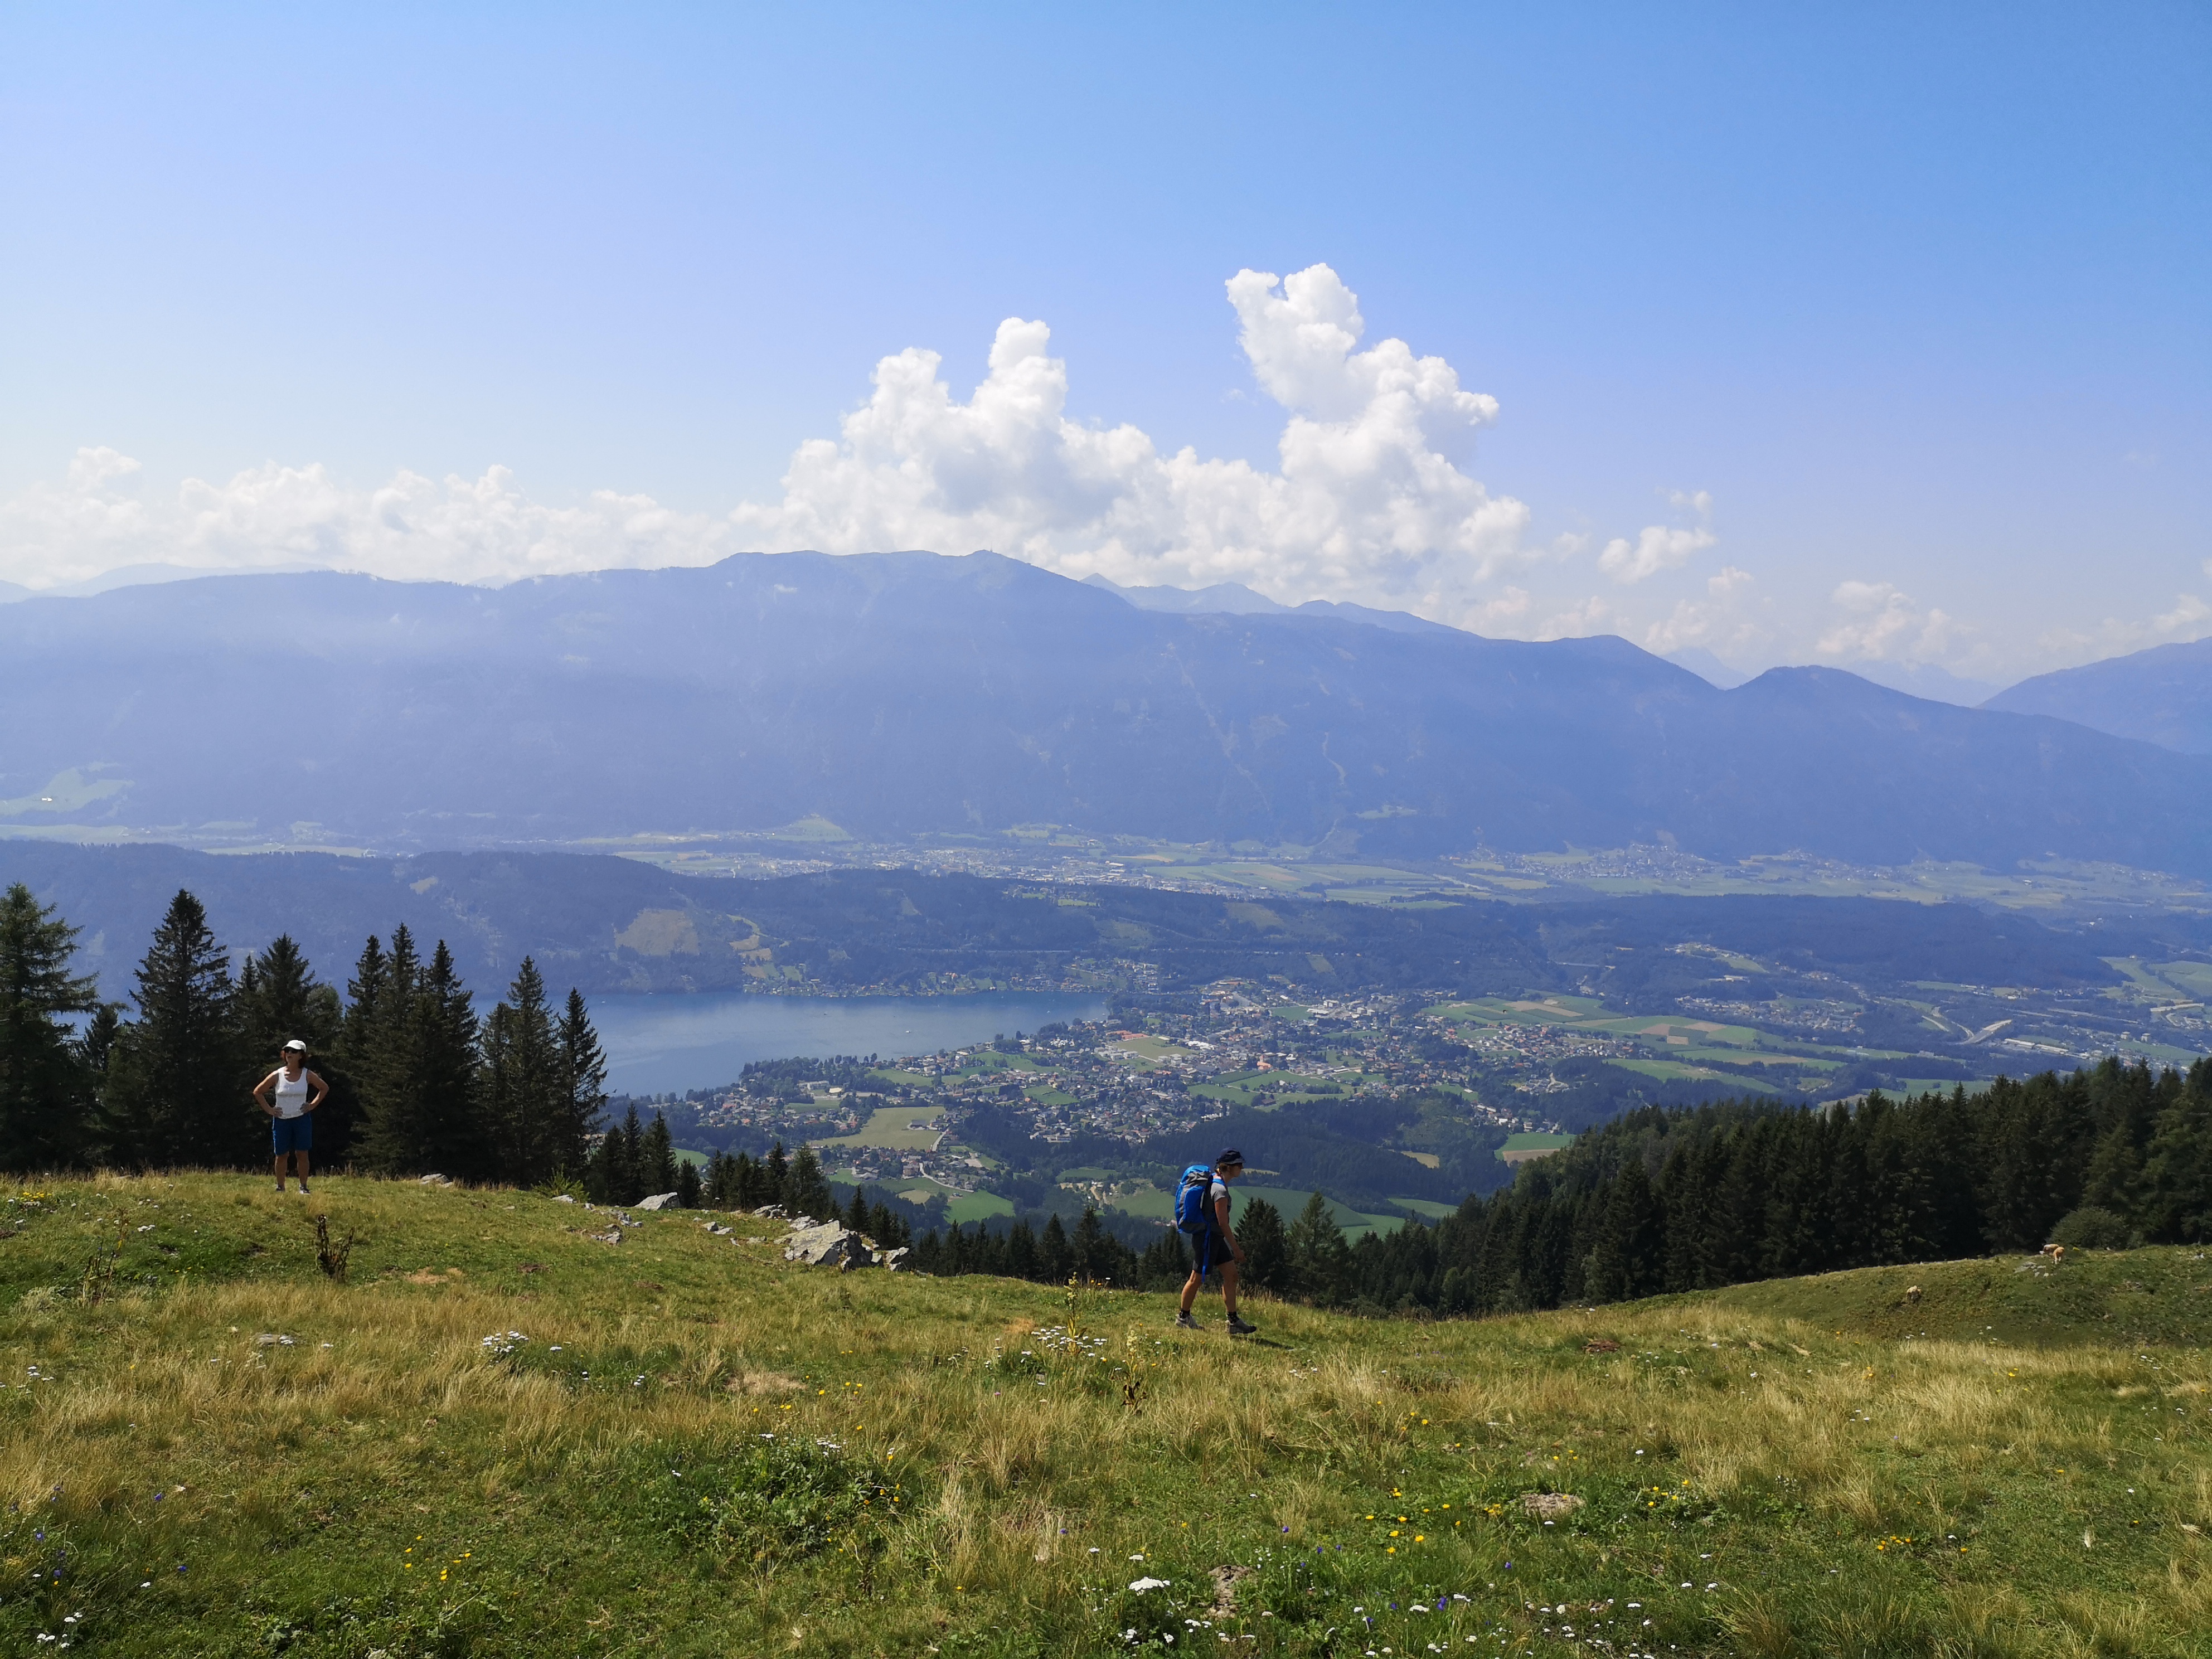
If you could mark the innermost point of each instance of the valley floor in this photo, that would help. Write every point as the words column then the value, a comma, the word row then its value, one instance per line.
column 499, row 1433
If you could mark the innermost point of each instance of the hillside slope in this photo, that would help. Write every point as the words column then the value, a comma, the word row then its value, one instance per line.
column 2162, row 695
column 904, row 694
column 499, row 1434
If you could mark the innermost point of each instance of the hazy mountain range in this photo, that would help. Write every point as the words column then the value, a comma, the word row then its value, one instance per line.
column 2162, row 695
column 903, row 693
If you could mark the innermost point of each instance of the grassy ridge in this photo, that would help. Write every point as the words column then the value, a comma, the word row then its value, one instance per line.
column 1816, row 1467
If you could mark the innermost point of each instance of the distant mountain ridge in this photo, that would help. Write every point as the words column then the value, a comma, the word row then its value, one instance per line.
column 2162, row 695
column 905, row 693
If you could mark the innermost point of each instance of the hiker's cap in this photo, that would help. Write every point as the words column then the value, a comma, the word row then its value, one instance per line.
column 1228, row 1158
column 295, row 1043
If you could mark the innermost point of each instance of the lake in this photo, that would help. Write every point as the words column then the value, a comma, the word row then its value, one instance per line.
column 666, row 1044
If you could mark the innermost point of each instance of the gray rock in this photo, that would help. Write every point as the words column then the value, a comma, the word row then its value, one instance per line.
column 771, row 1212
column 828, row 1245
column 896, row 1260
column 657, row 1201
column 432, row 1180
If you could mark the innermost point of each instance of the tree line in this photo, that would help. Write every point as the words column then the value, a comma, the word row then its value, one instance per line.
column 1696, row 1198
column 419, row 1081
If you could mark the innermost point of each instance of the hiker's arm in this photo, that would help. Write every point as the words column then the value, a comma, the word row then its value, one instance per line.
column 261, row 1094
column 1221, row 1218
column 320, row 1091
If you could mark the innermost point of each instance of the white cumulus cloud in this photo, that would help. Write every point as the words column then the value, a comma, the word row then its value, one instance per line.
column 1715, row 621
column 1881, row 624
column 1660, row 547
column 480, row 529
column 1366, row 503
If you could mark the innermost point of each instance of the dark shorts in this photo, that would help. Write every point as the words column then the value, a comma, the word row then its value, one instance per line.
column 292, row 1134
column 1208, row 1248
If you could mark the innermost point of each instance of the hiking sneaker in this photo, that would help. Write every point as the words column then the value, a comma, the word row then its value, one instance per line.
column 1185, row 1322
column 1238, row 1328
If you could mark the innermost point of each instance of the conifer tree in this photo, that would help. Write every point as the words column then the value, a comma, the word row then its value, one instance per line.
column 856, row 1212
column 776, row 1174
column 1267, row 1248
column 689, row 1187
column 45, row 1085
column 657, row 1160
column 1056, row 1260
column 527, row 1094
column 805, row 1193
column 423, row 1111
column 173, row 1094
column 1319, row 1258
column 2177, row 1179
column 1091, row 1260
column 584, row 1086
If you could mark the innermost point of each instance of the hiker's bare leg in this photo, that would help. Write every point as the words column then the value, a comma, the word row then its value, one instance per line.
column 279, row 1162
column 1229, row 1287
column 300, row 1161
column 1190, row 1287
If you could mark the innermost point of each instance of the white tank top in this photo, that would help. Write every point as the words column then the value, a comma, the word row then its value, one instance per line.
column 291, row 1093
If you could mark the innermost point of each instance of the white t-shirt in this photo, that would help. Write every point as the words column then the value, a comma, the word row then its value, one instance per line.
column 291, row 1093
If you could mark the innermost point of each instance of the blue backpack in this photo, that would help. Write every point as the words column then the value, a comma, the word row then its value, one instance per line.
column 1194, row 1213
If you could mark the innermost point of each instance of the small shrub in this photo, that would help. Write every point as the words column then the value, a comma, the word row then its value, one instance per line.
column 2091, row 1228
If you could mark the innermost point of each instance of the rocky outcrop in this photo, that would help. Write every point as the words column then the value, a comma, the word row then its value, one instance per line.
column 657, row 1201
column 829, row 1245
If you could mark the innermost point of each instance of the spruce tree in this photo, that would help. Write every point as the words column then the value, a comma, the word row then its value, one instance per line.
column 1267, row 1248
column 1056, row 1260
column 583, row 1084
column 688, row 1187
column 1320, row 1259
column 46, row 1083
column 657, row 1161
column 2176, row 1180
column 527, row 1093
column 806, row 1192
column 856, row 1212
column 776, row 1178
column 174, row 1096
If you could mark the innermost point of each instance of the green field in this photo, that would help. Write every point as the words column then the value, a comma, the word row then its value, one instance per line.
column 498, row 1435
column 1158, row 1204
column 887, row 1128
column 1532, row 1141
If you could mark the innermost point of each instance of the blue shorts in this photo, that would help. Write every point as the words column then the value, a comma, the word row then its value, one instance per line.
column 291, row 1135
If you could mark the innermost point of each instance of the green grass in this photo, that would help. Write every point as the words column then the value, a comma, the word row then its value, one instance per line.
column 1983, row 1457
column 1532, row 1141
column 887, row 1128
column 1666, row 1070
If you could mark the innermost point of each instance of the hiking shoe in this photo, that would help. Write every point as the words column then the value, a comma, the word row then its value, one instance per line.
column 1185, row 1322
column 1238, row 1328
column 303, row 1189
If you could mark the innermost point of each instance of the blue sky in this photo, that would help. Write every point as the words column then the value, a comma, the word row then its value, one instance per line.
column 1916, row 296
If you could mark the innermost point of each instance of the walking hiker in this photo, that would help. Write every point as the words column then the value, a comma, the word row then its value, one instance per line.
column 288, row 1094
column 1202, row 1212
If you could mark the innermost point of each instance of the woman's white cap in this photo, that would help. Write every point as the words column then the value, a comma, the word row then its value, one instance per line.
column 295, row 1043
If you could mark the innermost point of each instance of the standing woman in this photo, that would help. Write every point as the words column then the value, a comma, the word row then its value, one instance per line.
column 288, row 1094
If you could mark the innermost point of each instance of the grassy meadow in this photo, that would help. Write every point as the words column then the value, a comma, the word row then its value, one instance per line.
column 501, row 1434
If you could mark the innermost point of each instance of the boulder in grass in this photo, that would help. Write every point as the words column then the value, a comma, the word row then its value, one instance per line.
column 657, row 1201
column 828, row 1245
column 895, row 1259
